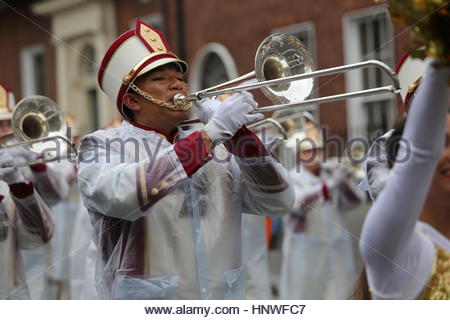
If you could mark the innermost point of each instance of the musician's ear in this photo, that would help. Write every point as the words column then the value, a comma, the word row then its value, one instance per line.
column 131, row 101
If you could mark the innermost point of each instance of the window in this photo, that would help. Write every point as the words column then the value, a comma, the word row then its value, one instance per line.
column 85, row 88
column 213, row 71
column 305, row 32
column 33, row 70
column 87, row 63
column 212, row 65
column 368, row 36
column 93, row 108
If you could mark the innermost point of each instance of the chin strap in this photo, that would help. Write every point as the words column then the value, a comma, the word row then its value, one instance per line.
column 161, row 103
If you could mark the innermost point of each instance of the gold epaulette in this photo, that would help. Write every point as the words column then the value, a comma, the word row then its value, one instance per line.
column 438, row 288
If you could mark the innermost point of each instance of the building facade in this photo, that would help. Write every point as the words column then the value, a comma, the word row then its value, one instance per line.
column 54, row 47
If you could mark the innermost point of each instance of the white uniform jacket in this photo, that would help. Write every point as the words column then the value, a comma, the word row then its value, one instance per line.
column 50, row 183
column 255, row 254
column 163, row 232
column 318, row 260
column 25, row 223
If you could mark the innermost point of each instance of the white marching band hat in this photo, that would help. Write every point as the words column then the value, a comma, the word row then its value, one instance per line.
column 308, row 138
column 410, row 71
column 132, row 54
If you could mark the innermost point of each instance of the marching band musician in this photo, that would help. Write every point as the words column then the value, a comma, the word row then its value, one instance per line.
column 25, row 222
column 51, row 185
column 66, row 263
column 318, row 260
column 165, row 204
column 255, row 242
column 47, row 181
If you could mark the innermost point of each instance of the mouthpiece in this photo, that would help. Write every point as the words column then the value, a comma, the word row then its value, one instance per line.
column 179, row 100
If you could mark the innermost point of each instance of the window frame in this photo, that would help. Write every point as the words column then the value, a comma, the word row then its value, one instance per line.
column 357, row 117
column 198, row 64
column 28, row 69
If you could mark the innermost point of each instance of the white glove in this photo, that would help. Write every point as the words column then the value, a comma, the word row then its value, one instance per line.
column 23, row 153
column 206, row 108
column 231, row 115
column 9, row 174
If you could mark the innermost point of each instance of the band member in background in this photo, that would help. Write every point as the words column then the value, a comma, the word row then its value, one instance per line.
column 318, row 259
column 25, row 221
column 166, row 204
column 51, row 185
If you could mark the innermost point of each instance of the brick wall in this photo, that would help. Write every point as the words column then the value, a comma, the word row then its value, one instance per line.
column 19, row 29
column 240, row 25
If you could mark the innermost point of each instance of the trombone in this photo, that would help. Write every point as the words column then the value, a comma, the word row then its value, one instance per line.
column 271, row 121
column 284, row 72
column 37, row 123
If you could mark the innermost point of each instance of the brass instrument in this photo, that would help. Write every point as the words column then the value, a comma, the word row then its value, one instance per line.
column 37, row 123
column 284, row 72
column 272, row 122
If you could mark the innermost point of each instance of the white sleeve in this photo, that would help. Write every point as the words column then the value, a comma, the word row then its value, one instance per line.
column 34, row 226
column 398, row 259
column 267, row 187
column 119, row 187
column 51, row 184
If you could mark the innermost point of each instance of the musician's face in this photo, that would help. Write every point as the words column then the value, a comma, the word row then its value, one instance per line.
column 441, row 178
column 163, row 84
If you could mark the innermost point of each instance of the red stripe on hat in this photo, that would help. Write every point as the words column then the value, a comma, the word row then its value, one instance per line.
column 409, row 97
column 110, row 52
column 6, row 88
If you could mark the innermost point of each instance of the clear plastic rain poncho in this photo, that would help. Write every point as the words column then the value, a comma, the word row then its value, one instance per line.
column 50, row 183
column 60, row 248
column 25, row 223
column 164, row 234
column 255, row 254
column 318, row 259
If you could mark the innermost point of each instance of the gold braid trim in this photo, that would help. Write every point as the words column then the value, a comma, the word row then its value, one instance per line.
column 438, row 287
column 161, row 103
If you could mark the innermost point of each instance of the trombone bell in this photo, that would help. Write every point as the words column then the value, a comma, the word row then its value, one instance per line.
column 33, row 126
column 38, row 118
column 279, row 56
column 37, row 123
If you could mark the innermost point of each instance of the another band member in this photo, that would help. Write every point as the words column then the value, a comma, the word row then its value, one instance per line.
column 25, row 222
column 318, row 259
column 51, row 185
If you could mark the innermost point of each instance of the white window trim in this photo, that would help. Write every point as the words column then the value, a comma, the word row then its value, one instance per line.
column 197, row 64
column 27, row 69
column 356, row 117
